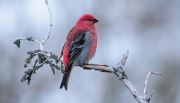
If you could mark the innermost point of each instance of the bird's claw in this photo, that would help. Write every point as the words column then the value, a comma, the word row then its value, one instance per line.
column 62, row 69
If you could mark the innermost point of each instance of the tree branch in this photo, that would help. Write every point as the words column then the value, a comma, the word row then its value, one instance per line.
column 123, row 77
column 145, row 85
column 44, row 57
column 18, row 41
column 50, row 24
column 118, row 71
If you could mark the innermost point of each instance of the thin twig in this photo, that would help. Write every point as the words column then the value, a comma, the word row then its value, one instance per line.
column 17, row 42
column 149, row 98
column 50, row 24
column 126, row 82
column 145, row 85
column 29, row 72
column 102, row 68
column 156, row 73
column 32, row 40
column 121, row 64
column 123, row 60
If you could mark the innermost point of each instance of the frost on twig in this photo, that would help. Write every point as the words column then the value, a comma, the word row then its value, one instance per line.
column 44, row 57
column 18, row 41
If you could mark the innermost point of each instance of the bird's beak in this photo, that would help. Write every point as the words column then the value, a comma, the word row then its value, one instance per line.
column 95, row 20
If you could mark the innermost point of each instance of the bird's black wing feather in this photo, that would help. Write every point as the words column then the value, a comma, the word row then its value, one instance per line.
column 75, row 49
column 76, row 46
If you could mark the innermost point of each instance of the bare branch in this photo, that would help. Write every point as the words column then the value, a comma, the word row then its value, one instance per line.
column 120, row 73
column 156, row 73
column 102, row 68
column 133, row 91
column 149, row 98
column 50, row 24
column 126, row 82
column 145, row 85
column 123, row 77
column 123, row 60
column 145, row 92
column 18, row 41
column 30, row 40
column 121, row 64
column 105, row 68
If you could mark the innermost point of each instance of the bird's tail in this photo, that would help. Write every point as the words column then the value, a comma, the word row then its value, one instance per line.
column 66, row 77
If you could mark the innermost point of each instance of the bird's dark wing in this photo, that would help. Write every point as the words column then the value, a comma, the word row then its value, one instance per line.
column 76, row 46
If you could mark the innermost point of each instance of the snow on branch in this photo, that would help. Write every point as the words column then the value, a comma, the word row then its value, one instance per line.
column 51, row 59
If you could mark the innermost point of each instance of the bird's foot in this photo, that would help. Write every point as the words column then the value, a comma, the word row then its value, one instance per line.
column 62, row 70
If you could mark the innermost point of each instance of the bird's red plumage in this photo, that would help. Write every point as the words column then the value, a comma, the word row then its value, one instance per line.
column 81, row 25
column 84, row 31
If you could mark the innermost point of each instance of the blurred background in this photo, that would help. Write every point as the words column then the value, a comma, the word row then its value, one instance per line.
column 149, row 29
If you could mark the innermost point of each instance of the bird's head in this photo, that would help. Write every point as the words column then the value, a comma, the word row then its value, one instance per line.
column 87, row 19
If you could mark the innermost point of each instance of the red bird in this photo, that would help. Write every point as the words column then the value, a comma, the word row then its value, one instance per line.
column 80, row 45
